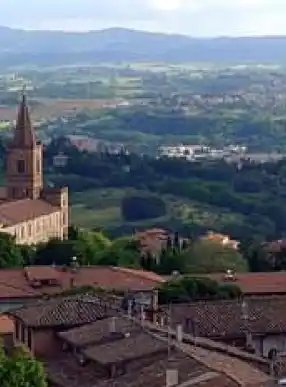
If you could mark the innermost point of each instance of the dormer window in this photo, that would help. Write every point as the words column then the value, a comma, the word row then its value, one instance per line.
column 21, row 166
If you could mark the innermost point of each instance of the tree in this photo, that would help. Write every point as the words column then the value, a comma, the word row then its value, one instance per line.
column 10, row 253
column 257, row 256
column 122, row 252
column 134, row 208
column 171, row 260
column 56, row 252
column 87, row 246
column 212, row 257
column 20, row 369
column 194, row 289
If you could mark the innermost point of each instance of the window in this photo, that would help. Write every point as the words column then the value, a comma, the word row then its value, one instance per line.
column 17, row 330
column 64, row 201
column 38, row 166
column 21, row 166
column 23, row 334
column 29, row 339
column 22, row 232
column 29, row 229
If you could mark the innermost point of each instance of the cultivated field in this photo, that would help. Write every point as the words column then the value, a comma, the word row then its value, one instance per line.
column 52, row 108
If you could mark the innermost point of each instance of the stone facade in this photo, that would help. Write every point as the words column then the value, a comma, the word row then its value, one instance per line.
column 30, row 212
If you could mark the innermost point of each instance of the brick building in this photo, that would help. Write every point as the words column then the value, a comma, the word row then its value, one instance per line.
column 29, row 211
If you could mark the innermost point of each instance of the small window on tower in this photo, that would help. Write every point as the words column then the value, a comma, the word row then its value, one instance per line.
column 21, row 166
column 38, row 166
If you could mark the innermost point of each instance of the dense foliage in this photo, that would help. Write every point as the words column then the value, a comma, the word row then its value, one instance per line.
column 135, row 208
column 254, row 195
column 10, row 254
column 20, row 369
column 194, row 289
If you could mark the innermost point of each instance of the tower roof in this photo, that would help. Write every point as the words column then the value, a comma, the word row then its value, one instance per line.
column 24, row 135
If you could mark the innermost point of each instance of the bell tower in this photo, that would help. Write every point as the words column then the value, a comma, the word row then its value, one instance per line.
column 24, row 175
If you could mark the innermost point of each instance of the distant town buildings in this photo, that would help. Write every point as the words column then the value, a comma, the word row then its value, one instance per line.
column 235, row 154
column 199, row 152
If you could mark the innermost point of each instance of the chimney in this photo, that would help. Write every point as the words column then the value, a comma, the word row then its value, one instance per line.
column 72, row 281
column 142, row 314
column 112, row 325
column 130, row 303
column 179, row 333
column 172, row 378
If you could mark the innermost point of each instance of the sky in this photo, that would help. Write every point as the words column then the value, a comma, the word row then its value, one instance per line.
column 191, row 17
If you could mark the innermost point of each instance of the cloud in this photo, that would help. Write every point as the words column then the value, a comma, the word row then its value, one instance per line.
column 193, row 17
column 166, row 5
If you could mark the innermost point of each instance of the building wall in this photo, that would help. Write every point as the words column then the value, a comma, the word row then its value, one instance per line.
column 41, row 342
column 45, row 343
column 263, row 345
column 38, row 230
column 59, row 198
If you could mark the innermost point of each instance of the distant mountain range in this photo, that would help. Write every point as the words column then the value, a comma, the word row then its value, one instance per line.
column 118, row 44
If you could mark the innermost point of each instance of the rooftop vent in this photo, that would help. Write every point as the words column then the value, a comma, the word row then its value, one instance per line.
column 36, row 284
column 229, row 275
column 179, row 333
column 112, row 325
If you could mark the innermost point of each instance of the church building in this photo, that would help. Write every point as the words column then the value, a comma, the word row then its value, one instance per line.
column 30, row 212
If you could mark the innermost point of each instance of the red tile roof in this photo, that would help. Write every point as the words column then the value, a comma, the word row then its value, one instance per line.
column 226, row 319
column 21, row 211
column 256, row 283
column 62, row 312
column 15, row 284
column 97, row 332
column 40, row 273
column 132, row 347
column 153, row 240
column 196, row 366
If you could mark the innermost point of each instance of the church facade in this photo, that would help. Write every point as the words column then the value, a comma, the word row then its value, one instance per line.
column 30, row 212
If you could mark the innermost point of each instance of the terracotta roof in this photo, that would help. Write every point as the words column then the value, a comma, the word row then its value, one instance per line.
column 242, row 367
column 196, row 366
column 15, row 284
column 62, row 312
column 153, row 231
column 152, row 240
column 97, row 332
column 229, row 319
column 131, row 347
column 142, row 274
column 65, row 371
column 20, row 211
column 6, row 325
column 256, row 283
column 41, row 273
column 237, row 370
